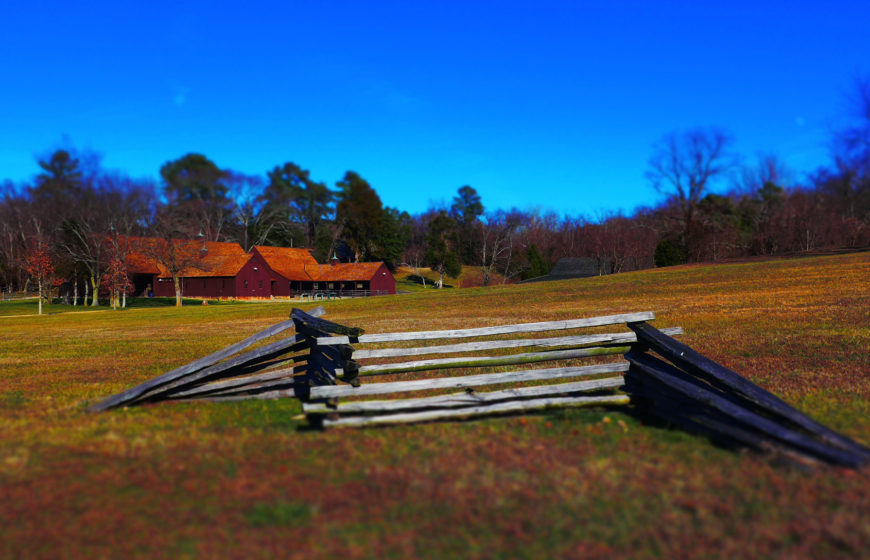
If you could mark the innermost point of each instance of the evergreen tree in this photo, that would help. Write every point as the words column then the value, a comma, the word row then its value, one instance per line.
column 440, row 242
column 538, row 266
column 292, row 196
column 394, row 237
column 466, row 211
column 359, row 213
column 669, row 253
column 197, row 188
column 194, row 177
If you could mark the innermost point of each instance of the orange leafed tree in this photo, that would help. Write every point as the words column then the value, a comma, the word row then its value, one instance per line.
column 38, row 264
column 115, row 280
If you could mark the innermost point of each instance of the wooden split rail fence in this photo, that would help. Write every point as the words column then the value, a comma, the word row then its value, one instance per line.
column 502, row 354
column 231, row 373
column 697, row 394
column 335, row 370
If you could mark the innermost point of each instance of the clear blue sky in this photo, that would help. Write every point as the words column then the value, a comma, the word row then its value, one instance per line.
column 546, row 104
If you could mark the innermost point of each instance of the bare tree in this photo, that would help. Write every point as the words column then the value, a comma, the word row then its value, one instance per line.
column 14, row 212
column 496, row 239
column 768, row 169
column 852, row 157
column 413, row 259
column 108, row 207
column 683, row 167
column 852, row 142
column 170, row 250
column 248, row 213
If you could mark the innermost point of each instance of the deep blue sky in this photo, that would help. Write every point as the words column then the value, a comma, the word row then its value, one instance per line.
column 546, row 104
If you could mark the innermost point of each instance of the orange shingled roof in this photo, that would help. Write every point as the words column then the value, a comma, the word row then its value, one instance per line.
column 137, row 263
column 210, row 258
column 291, row 263
column 346, row 272
column 227, row 259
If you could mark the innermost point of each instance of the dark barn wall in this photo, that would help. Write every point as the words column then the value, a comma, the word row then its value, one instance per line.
column 383, row 280
column 254, row 279
column 202, row 287
column 209, row 287
column 280, row 285
column 163, row 287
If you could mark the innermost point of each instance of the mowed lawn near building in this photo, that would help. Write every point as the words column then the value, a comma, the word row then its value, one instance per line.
column 247, row 480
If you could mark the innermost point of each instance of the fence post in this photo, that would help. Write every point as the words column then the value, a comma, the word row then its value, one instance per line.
column 324, row 362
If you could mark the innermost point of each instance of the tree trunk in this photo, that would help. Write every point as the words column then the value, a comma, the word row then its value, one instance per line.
column 417, row 274
column 124, row 299
column 85, row 297
column 95, row 291
column 40, row 297
column 177, row 291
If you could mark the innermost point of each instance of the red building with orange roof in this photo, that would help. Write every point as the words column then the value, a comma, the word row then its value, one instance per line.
column 300, row 273
column 224, row 270
column 290, row 267
column 365, row 278
column 208, row 269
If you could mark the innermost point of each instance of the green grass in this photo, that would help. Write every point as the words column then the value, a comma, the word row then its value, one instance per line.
column 31, row 306
column 280, row 514
column 245, row 480
column 409, row 280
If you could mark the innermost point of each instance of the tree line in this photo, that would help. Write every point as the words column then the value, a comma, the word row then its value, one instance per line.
column 69, row 224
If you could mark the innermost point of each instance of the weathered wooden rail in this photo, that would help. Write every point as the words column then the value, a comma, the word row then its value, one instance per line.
column 230, row 374
column 524, row 389
column 699, row 395
column 334, row 369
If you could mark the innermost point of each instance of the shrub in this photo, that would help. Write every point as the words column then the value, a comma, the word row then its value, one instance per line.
column 669, row 253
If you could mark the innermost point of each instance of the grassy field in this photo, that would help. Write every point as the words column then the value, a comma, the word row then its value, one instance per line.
column 29, row 306
column 409, row 280
column 245, row 480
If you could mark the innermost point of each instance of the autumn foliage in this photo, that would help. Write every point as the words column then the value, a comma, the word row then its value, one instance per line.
column 116, row 280
column 40, row 267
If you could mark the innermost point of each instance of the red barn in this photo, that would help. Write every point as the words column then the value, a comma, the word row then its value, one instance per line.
column 224, row 270
column 210, row 269
column 290, row 267
column 366, row 278
column 297, row 272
